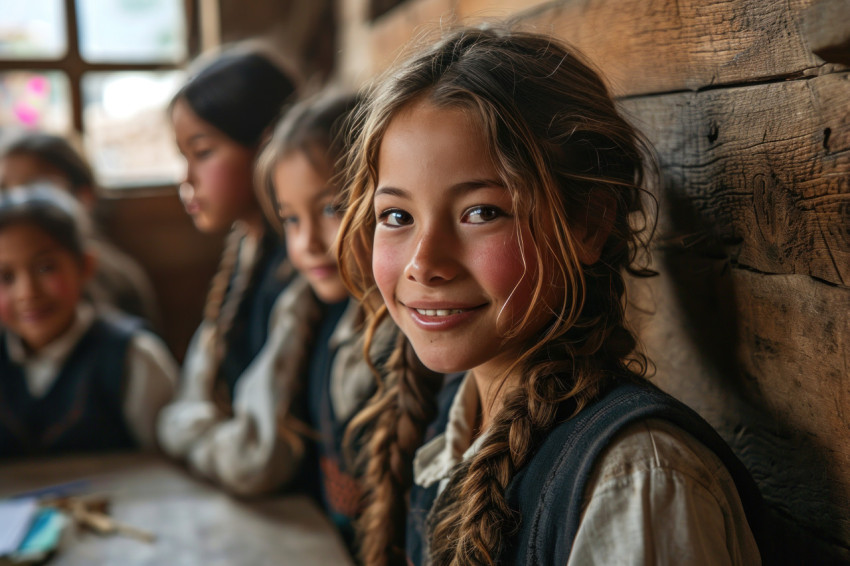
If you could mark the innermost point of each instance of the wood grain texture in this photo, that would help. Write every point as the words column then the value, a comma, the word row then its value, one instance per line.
column 766, row 168
column 765, row 360
column 653, row 46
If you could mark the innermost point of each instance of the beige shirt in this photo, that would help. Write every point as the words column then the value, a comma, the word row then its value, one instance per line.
column 656, row 496
column 246, row 452
column 150, row 372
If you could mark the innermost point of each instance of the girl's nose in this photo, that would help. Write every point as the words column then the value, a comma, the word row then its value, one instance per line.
column 186, row 191
column 26, row 287
column 434, row 258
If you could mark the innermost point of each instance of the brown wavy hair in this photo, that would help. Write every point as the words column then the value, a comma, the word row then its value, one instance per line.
column 566, row 155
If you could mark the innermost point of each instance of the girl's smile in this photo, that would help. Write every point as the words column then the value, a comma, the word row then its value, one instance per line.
column 449, row 254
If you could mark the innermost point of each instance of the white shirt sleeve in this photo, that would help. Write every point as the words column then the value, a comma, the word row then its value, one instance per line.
column 248, row 453
column 192, row 412
column 657, row 497
column 151, row 377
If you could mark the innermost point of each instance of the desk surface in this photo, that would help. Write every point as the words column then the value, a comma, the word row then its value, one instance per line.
column 194, row 522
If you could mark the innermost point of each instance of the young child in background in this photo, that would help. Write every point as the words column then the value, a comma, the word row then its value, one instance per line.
column 495, row 204
column 70, row 379
column 119, row 281
column 223, row 419
column 299, row 183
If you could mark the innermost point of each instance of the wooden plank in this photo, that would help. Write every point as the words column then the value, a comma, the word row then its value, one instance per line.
column 653, row 46
column 766, row 168
column 765, row 359
column 825, row 25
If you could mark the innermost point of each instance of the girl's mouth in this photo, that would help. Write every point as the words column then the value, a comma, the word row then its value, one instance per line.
column 442, row 319
column 439, row 312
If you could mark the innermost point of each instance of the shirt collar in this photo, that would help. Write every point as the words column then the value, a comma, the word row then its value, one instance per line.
column 435, row 460
column 58, row 349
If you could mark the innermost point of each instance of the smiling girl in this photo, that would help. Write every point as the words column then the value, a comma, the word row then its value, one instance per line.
column 71, row 379
column 495, row 207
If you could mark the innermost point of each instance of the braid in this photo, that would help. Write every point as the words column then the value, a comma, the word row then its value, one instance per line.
column 221, row 307
column 397, row 417
column 472, row 518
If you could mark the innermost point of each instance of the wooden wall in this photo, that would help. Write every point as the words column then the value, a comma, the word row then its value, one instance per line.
column 748, row 105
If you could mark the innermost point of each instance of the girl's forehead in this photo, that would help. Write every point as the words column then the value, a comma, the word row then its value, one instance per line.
column 28, row 237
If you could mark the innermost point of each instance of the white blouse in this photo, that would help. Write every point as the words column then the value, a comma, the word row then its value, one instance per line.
column 656, row 495
column 247, row 452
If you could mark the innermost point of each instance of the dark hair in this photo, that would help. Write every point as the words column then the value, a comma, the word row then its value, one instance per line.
column 565, row 154
column 314, row 126
column 239, row 93
column 57, row 152
column 50, row 209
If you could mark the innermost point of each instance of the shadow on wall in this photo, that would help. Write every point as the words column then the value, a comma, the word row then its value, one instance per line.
column 695, row 338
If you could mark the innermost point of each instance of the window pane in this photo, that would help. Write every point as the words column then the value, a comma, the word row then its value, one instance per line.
column 35, row 100
column 32, row 29
column 132, row 30
column 128, row 132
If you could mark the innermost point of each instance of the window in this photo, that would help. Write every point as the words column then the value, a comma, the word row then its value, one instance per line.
column 103, row 68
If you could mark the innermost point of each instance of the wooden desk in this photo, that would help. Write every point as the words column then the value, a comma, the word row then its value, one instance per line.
column 195, row 523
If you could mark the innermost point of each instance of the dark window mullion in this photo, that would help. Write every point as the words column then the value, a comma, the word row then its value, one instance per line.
column 73, row 64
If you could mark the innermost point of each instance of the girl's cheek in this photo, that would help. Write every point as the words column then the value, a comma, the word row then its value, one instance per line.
column 386, row 269
column 5, row 308
column 65, row 288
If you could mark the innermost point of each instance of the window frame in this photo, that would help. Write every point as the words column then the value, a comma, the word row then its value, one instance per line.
column 73, row 66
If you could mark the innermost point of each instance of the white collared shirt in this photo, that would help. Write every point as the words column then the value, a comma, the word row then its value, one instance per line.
column 150, row 371
column 656, row 495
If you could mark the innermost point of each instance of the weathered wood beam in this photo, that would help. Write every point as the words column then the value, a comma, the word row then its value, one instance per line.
column 654, row 46
column 765, row 168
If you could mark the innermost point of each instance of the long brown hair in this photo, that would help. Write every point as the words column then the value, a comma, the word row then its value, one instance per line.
column 566, row 155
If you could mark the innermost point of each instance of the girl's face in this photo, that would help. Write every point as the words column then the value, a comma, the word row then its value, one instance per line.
column 447, row 257
column 310, row 222
column 41, row 283
column 219, row 178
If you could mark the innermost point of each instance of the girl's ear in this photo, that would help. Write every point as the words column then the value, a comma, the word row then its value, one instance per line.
column 593, row 230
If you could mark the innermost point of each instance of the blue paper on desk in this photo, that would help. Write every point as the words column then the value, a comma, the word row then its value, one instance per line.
column 16, row 517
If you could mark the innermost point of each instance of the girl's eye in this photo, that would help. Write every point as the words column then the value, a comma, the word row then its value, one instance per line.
column 482, row 214
column 330, row 210
column 395, row 217
column 7, row 278
column 290, row 220
column 45, row 267
column 201, row 154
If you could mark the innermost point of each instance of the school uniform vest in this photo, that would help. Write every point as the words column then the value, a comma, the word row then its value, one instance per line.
column 422, row 498
column 549, row 491
column 83, row 409
column 250, row 327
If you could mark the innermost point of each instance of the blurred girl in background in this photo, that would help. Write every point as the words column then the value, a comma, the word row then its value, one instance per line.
column 71, row 379
column 299, row 182
column 223, row 420
column 119, row 281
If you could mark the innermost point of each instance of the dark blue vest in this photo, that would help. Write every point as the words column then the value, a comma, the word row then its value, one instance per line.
column 250, row 327
column 83, row 410
column 549, row 491
column 422, row 498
